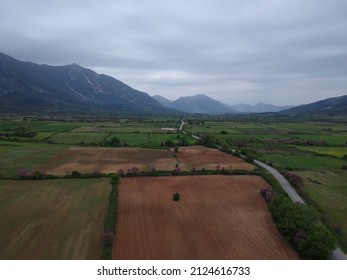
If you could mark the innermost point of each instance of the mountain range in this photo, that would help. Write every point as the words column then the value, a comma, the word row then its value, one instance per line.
column 27, row 88
column 201, row 103
column 329, row 106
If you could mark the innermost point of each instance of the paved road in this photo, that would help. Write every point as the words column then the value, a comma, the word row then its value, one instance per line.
column 337, row 254
column 181, row 126
column 181, row 129
column 285, row 184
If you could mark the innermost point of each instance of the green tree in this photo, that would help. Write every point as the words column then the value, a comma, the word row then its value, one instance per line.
column 209, row 140
column 318, row 245
column 169, row 143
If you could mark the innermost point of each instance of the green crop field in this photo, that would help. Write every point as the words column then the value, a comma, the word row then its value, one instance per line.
column 76, row 138
column 19, row 156
column 39, row 126
column 304, row 162
column 52, row 219
column 149, row 139
column 329, row 190
column 332, row 151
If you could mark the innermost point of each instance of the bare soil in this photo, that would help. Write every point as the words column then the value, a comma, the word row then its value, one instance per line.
column 110, row 160
column 217, row 217
column 199, row 157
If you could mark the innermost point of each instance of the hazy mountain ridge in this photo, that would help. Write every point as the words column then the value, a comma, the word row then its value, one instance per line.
column 201, row 103
column 329, row 106
column 26, row 87
column 30, row 87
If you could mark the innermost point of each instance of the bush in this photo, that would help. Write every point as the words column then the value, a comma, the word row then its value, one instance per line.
column 176, row 197
column 169, row 143
column 300, row 225
column 37, row 175
column 76, row 174
column 110, row 219
column 318, row 244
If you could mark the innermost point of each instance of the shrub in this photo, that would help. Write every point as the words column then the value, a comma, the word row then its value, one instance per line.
column 107, row 238
column 318, row 244
column 295, row 180
column 176, row 171
column 266, row 193
column 37, row 175
column 176, row 197
column 300, row 225
column 23, row 173
column 135, row 170
column 76, row 174
column 169, row 143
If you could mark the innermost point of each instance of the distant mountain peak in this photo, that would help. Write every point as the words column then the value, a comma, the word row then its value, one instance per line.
column 329, row 106
column 26, row 87
column 75, row 66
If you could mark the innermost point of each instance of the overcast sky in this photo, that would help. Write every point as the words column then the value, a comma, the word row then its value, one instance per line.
column 274, row 51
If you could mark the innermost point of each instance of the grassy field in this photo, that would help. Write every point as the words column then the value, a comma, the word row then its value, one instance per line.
column 76, row 138
column 304, row 162
column 150, row 139
column 52, row 219
column 331, row 151
column 39, row 126
column 30, row 156
column 329, row 190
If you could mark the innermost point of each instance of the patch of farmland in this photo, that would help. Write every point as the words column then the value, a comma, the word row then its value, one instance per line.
column 304, row 162
column 78, row 137
column 52, row 219
column 328, row 189
column 16, row 156
column 200, row 157
column 109, row 160
column 331, row 151
column 217, row 217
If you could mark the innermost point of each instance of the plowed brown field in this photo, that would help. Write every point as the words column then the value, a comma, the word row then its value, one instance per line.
column 217, row 217
column 199, row 157
column 109, row 160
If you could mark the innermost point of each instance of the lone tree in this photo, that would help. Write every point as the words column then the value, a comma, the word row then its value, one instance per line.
column 176, row 196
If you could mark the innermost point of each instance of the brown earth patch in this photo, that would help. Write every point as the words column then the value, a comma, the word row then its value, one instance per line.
column 109, row 160
column 199, row 157
column 217, row 217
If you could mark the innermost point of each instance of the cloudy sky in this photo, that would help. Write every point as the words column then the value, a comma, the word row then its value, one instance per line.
column 274, row 51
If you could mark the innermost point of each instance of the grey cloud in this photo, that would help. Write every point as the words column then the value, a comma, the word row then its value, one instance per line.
column 238, row 50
